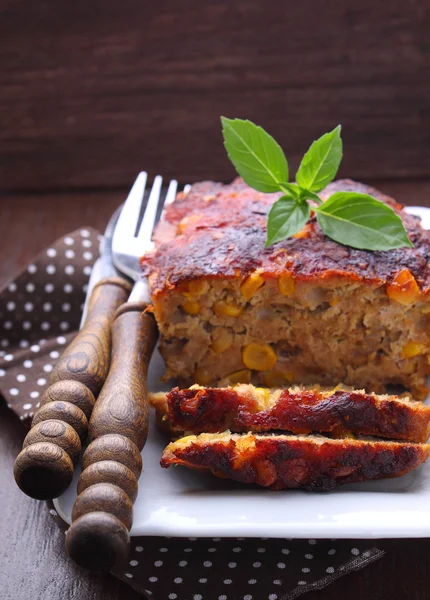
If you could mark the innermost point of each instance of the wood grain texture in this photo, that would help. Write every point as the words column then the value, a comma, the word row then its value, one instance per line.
column 109, row 471
column 43, row 470
column 87, row 358
column 96, row 91
column 76, row 380
column 121, row 411
column 98, row 538
column 114, row 447
column 122, row 406
column 58, row 432
column 27, row 530
column 62, row 391
column 64, row 411
column 107, row 498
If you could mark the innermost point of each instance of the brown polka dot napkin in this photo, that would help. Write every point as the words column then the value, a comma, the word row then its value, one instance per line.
column 40, row 312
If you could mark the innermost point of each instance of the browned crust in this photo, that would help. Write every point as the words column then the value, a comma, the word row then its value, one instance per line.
column 219, row 231
column 212, row 410
column 281, row 461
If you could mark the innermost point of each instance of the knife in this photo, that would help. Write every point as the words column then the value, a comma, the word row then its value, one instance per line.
column 44, row 468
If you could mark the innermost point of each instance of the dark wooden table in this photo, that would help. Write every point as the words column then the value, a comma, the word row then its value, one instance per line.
column 32, row 559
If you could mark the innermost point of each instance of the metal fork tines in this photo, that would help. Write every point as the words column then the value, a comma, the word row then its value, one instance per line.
column 131, row 241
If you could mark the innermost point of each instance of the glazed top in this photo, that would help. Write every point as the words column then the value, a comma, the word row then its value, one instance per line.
column 219, row 231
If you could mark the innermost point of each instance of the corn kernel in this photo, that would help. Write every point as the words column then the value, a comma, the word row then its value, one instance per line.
column 243, row 446
column 286, row 284
column 242, row 376
column 259, row 356
column 191, row 308
column 413, row 349
column 273, row 379
column 195, row 288
column 347, row 434
column 227, row 309
column 202, row 376
column 185, row 440
column 250, row 285
column 262, row 395
column 403, row 289
column 222, row 339
column 198, row 287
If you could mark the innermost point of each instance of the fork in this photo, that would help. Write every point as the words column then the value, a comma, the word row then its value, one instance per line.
column 102, row 515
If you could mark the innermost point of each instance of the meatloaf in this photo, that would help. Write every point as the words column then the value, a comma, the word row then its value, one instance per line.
column 337, row 412
column 287, row 461
column 306, row 309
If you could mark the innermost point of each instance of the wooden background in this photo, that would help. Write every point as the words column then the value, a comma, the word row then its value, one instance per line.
column 91, row 92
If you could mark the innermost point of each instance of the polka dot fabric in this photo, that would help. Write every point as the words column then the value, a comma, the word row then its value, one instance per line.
column 39, row 315
column 239, row 569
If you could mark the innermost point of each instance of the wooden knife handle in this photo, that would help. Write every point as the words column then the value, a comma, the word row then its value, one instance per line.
column 103, row 511
column 44, row 468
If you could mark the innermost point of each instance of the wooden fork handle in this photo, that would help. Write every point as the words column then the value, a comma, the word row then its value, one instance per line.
column 44, row 468
column 103, row 511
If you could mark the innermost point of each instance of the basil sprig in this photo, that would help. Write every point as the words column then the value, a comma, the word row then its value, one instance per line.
column 352, row 219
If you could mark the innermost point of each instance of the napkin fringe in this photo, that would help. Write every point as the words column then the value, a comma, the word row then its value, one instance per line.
column 354, row 564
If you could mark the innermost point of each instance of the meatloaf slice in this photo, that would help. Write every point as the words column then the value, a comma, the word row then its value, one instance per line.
column 286, row 461
column 303, row 310
column 339, row 413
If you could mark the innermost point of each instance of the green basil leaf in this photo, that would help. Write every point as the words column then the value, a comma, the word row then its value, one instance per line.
column 312, row 196
column 286, row 217
column 294, row 190
column 308, row 195
column 360, row 221
column 321, row 162
column 291, row 189
column 258, row 158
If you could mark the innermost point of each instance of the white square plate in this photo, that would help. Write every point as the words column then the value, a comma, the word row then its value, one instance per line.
column 179, row 502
